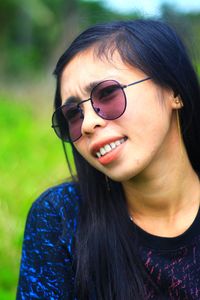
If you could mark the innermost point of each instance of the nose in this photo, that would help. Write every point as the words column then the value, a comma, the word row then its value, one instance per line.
column 91, row 120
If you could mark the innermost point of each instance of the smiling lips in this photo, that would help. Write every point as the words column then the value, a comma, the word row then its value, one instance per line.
column 109, row 147
column 108, row 151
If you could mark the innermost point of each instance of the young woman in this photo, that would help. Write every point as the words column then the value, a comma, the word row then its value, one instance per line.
column 128, row 101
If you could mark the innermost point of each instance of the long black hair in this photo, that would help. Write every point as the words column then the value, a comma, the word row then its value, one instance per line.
column 107, row 263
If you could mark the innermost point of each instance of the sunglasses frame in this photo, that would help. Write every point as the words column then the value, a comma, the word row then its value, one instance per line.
column 95, row 110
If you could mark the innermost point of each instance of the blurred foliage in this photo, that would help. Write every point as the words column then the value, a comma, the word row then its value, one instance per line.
column 33, row 34
column 188, row 27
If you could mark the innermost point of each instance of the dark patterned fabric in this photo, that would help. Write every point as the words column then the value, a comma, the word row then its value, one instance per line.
column 173, row 263
column 46, row 266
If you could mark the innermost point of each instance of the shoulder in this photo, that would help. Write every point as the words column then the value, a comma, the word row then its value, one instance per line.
column 63, row 199
column 53, row 214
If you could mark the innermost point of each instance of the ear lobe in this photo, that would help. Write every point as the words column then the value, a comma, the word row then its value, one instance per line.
column 177, row 102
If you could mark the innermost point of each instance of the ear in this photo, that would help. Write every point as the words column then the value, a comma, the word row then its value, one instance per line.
column 177, row 102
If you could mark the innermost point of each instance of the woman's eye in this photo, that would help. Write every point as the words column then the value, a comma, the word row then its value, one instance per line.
column 72, row 114
column 108, row 91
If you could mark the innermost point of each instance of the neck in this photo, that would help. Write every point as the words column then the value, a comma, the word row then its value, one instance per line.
column 162, row 196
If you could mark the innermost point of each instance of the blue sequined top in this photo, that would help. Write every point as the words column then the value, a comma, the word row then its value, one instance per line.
column 46, row 266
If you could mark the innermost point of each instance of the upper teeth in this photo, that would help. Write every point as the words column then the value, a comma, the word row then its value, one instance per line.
column 108, row 147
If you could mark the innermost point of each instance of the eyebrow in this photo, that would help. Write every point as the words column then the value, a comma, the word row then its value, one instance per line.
column 87, row 89
column 71, row 100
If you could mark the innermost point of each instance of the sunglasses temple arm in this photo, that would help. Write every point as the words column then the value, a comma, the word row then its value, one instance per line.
column 68, row 163
column 136, row 82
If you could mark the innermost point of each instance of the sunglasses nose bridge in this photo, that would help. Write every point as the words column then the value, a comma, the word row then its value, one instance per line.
column 96, row 109
column 83, row 101
column 80, row 106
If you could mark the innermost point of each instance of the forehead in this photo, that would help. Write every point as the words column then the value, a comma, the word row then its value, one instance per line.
column 87, row 62
column 86, row 69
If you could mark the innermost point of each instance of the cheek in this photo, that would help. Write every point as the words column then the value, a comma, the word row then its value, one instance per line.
column 148, row 107
column 147, row 126
column 83, row 151
column 82, row 148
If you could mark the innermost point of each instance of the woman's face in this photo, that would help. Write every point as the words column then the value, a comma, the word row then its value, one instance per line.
column 140, row 138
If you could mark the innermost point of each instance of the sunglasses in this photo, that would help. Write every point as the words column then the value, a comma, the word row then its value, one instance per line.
column 108, row 100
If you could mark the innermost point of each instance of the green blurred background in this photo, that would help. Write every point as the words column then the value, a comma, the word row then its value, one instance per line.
column 32, row 36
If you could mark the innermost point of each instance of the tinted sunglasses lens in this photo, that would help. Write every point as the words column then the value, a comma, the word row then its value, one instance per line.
column 108, row 100
column 67, row 122
column 59, row 125
column 74, row 119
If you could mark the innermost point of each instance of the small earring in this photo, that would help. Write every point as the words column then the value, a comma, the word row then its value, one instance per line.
column 178, row 101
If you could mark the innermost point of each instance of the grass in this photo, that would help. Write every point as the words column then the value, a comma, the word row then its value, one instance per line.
column 31, row 160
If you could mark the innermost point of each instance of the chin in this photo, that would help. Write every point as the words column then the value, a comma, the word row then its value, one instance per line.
column 123, row 176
